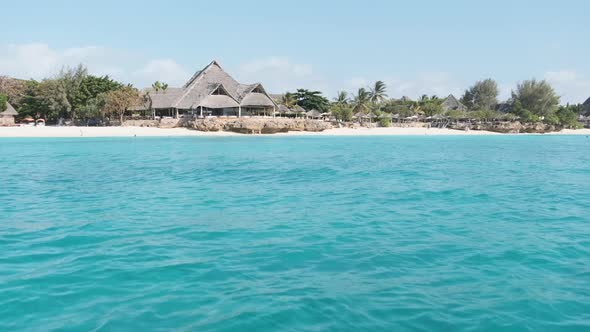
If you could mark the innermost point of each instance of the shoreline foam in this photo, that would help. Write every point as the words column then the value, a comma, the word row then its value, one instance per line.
column 58, row 132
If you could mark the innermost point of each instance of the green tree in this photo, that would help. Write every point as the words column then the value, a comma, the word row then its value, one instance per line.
column 30, row 103
column 164, row 87
column 401, row 107
column 485, row 115
column 431, row 108
column 288, row 100
column 455, row 114
column 537, row 97
column 71, row 80
column 93, row 108
column 385, row 121
column 52, row 99
column 341, row 98
column 3, row 101
column 378, row 93
column 341, row 112
column 360, row 102
column 310, row 100
column 91, row 87
column 568, row 116
column 157, row 86
column 483, row 95
column 117, row 102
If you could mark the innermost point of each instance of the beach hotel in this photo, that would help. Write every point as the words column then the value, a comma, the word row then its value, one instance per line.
column 210, row 92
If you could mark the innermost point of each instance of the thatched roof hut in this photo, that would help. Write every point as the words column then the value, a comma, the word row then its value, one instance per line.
column 299, row 110
column 452, row 103
column 314, row 114
column 7, row 117
column 10, row 111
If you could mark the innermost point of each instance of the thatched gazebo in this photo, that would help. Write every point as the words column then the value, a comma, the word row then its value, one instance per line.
column 7, row 117
column 299, row 111
column 313, row 114
column 452, row 103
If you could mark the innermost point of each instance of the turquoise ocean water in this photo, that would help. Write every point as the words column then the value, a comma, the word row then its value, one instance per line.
column 295, row 234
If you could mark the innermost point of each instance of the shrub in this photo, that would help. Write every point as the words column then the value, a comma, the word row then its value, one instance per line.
column 385, row 122
column 3, row 100
column 551, row 119
column 567, row 117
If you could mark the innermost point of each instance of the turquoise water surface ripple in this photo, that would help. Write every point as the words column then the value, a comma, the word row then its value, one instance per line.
column 295, row 234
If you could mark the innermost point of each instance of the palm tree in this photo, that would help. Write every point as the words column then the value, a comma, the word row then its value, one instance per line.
column 342, row 98
column 361, row 101
column 164, row 87
column 157, row 86
column 288, row 100
column 147, row 100
column 378, row 92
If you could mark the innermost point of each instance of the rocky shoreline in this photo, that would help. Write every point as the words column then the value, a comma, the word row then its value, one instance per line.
column 509, row 127
column 258, row 125
column 283, row 125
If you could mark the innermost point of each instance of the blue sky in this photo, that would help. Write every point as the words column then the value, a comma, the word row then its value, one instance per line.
column 432, row 47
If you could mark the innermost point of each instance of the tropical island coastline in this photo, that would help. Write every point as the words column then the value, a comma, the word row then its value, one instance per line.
column 212, row 101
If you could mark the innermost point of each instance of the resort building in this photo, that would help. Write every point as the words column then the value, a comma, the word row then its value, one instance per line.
column 452, row 103
column 586, row 107
column 7, row 117
column 210, row 92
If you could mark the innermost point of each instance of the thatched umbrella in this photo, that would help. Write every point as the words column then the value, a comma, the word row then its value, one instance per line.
column 298, row 110
column 314, row 114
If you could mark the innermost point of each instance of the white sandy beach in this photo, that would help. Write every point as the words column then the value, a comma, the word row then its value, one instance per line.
column 50, row 131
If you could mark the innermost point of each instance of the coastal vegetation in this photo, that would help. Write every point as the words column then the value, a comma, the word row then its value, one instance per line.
column 73, row 94
column 3, row 101
column 532, row 101
column 77, row 97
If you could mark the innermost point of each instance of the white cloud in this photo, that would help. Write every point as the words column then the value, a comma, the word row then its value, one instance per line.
column 571, row 87
column 165, row 70
column 28, row 60
column 280, row 75
column 40, row 61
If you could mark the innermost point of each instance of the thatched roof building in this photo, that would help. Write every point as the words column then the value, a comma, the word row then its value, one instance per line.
column 10, row 111
column 211, row 91
column 7, row 117
column 452, row 103
column 586, row 106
